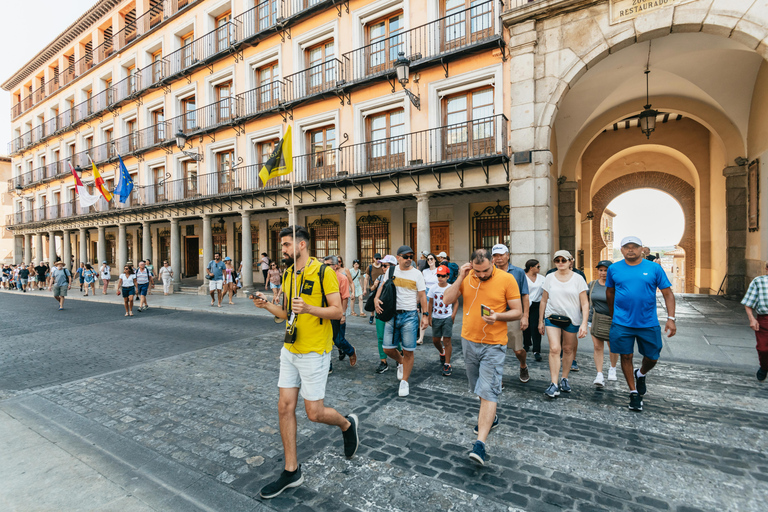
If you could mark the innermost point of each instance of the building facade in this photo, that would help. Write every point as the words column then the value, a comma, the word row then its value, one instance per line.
column 517, row 120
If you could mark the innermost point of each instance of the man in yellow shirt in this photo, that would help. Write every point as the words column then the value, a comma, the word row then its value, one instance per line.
column 311, row 301
column 491, row 299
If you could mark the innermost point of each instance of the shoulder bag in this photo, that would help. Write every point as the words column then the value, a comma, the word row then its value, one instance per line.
column 601, row 324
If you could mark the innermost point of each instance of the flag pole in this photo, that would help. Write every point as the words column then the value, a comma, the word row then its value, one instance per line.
column 294, row 241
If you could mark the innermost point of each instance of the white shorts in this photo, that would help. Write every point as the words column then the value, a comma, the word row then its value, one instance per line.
column 215, row 285
column 306, row 371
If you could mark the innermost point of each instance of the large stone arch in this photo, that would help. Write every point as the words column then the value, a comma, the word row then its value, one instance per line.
column 679, row 189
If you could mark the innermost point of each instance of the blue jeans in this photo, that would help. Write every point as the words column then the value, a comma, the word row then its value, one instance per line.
column 339, row 338
column 402, row 330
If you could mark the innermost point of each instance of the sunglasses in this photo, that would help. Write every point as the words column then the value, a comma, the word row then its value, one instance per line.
column 430, row 258
column 443, row 275
column 561, row 260
column 406, row 256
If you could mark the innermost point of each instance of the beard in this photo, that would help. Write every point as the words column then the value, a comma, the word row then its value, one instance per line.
column 287, row 259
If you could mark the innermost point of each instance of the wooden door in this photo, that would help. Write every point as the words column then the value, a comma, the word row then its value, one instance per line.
column 191, row 256
column 440, row 237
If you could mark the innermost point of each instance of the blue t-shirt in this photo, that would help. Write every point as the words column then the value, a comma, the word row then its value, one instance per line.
column 519, row 275
column 634, row 304
column 217, row 269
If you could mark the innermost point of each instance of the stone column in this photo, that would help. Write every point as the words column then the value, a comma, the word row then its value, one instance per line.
column 566, row 213
column 27, row 257
column 422, row 224
column 736, row 230
column 207, row 240
column 247, row 251
column 66, row 248
column 39, row 248
column 83, row 253
column 101, row 247
column 175, row 253
column 146, row 241
column 122, row 247
column 51, row 247
column 350, row 232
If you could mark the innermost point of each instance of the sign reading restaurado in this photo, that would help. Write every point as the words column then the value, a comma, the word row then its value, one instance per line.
column 623, row 10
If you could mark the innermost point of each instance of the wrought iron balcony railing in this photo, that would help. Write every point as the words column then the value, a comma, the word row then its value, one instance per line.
column 261, row 99
column 321, row 78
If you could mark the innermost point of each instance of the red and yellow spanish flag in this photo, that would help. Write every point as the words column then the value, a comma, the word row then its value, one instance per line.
column 99, row 182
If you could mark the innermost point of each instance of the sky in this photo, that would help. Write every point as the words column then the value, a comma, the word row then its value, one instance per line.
column 652, row 215
column 23, row 34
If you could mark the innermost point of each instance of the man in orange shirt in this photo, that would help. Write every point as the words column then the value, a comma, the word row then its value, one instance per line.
column 491, row 299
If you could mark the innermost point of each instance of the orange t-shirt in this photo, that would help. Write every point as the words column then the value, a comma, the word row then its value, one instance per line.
column 494, row 293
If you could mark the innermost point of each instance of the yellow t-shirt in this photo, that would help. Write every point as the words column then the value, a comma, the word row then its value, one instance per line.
column 494, row 293
column 311, row 334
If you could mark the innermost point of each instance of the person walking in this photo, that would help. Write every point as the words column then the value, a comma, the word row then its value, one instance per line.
column 89, row 277
column 500, row 254
column 230, row 278
column 491, row 300
column 265, row 268
column 564, row 312
column 375, row 270
column 151, row 268
column 340, row 326
column 600, row 324
column 441, row 317
column 79, row 275
column 755, row 303
column 215, row 272
column 166, row 276
column 31, row 286
column 531, row 335
column 62, row 283
column 430, row 272
column 40, row 271
column 357, row 279
column 275, row 277
column 24, row 277
column 106, row 274
column 348, row 274
column 311, row 301
column 385, row 263
column 143, row 279
column 631, row 292
column 574, row 364
column 403, row 328
column 127, row 285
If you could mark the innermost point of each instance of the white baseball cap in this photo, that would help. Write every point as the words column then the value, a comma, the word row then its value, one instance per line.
column 562, row 253
column 389, row 259
column 499, row 249
column 442, row 255
column 631, row 240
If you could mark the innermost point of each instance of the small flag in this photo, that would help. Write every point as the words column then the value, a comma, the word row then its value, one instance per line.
column 86, row 199
column 100, row 185
column 280, row 161
column 124, row 188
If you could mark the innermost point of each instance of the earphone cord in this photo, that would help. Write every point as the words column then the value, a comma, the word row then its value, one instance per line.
column 473, row 303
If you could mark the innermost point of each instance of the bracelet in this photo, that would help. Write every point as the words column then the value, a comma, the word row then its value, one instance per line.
column 671, row 318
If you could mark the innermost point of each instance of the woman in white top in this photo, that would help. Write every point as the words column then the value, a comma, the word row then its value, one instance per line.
column 531, row 336
column 430, row 272
column 166, row 275
column 106, row 274
column 564, row 311
column 126, row 284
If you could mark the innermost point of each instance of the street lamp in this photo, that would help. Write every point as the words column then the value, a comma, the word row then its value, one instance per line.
column 402, row 68
column 181, row 142
column 647, row 120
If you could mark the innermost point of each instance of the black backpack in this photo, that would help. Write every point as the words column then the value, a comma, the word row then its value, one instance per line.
column 388, row 298
column 323, row 302
column 454, row 271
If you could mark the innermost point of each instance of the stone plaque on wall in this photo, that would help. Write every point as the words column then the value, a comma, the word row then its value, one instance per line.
column 623, row 10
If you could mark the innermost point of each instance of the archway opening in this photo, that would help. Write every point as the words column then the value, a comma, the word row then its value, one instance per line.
column 657, row 219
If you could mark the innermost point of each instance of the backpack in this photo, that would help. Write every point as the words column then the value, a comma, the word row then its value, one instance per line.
column 388, row 297
column 454, row 271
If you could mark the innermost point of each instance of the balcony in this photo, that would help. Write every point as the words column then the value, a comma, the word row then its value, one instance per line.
column 466, row 30
column 205, row 119
column 318, row 80
column 271, row 16
column 200, row 51
column 260, row 100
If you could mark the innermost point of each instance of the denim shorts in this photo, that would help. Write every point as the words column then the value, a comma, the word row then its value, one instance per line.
column 143, row 288
column 484, row 363
column 309, row 372
column 403, row 329
column 571, row 328
column 128, row 291
column 442, row 327
column 648, row 339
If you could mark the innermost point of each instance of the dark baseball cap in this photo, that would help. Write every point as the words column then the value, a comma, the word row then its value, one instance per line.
column 377, row 256
column 604, row 263
column 404, row 249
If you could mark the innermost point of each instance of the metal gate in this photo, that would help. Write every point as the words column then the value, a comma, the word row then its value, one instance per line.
column 490, row 227
column 372, row 237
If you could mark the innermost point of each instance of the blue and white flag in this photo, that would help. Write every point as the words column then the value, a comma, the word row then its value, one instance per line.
column 125, row 186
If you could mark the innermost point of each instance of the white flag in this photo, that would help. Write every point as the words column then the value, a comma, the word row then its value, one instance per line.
column 86, row 199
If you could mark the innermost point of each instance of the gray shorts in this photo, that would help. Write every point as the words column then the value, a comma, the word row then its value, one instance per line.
column 60, row 291
column 442, row 327
column 484, row 363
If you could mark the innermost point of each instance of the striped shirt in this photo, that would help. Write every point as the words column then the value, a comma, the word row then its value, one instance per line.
column 757, row 295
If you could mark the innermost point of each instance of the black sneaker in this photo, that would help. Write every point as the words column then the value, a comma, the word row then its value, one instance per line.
column 493, row 425
column 574, row 366
column 383, row 366
column 330, row 368
column 477, row 455
column 351, row 439
column 635, row 402
column 447, row 370
column 442, row 358
column 370, row 320
column 537, row 357
column 342, row 355
column 640, row 384
column 286, row 480
column 761, row 374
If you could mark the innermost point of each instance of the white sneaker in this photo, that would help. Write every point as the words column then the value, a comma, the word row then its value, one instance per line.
column 404, row 388
column 612, row 373
column 599, row 381
column 400, row 372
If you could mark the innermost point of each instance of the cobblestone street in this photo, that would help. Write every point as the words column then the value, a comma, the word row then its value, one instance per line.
column 180, row 411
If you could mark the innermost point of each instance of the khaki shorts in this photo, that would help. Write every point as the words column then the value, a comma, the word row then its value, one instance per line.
column 515, row 335
column 60, row 291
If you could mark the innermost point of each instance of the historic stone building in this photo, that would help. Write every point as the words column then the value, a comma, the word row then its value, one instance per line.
column 518, row 123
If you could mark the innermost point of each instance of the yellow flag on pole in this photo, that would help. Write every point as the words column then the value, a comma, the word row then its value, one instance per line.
column 280, row 162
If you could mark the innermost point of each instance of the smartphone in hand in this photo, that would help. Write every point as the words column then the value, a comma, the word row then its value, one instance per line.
column 485, row 310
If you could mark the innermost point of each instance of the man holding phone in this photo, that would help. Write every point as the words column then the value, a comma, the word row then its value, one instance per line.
column 310, row 305
column 491, row 299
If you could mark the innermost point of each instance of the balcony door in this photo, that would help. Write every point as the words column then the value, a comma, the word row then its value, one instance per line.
column 187, row 50
column 159, row 182
column 188, row 106
column 384, row 43
column 322, row 159
column 386, row 147
column 465, row 22
column 223, row 112
column 321, row 67
column 267, row 14
column 190, row 179
column 224, row 173
column 225, row 33
column 158, row 126
column 468, row 124
column 268, row 93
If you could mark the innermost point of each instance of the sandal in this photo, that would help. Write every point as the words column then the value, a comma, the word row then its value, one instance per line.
column 130, row 314
column 125, row 314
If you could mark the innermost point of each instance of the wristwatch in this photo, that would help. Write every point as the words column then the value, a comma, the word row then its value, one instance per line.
column 671, row 318
column 425, row 313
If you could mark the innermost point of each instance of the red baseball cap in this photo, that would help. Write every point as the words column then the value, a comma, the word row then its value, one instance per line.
column 442, row 270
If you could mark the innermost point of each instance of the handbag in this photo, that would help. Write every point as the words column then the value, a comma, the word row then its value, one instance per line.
column 369, row 305
column 560, row 321
column 601, row 324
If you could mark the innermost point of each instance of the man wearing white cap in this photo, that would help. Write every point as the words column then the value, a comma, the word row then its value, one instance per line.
column 631, row 292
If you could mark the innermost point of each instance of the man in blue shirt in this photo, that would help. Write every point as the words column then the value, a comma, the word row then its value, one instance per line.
column 515, row 329
column 215, row 271
column 631, row 292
